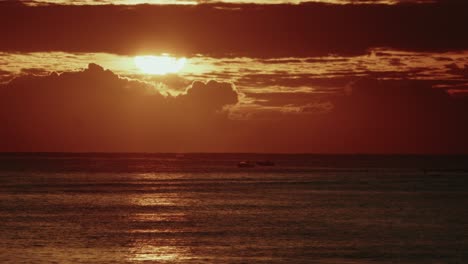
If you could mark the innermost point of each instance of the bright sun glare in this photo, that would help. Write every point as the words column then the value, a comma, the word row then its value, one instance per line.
column 160, row 65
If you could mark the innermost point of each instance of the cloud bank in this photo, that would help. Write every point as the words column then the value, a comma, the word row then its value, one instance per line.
column 96, row 110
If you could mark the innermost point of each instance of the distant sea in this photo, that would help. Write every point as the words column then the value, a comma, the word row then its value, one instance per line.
column 202, row 208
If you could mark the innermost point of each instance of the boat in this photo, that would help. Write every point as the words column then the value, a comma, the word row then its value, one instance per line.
column 245, row 164
column 265, row 163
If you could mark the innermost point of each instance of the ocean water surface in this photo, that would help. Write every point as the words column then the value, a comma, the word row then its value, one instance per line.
column 202, row 208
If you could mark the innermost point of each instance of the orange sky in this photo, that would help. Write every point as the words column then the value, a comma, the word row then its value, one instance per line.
column 271, row 78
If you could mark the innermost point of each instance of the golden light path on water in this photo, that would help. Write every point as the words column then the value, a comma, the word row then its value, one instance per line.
column 155, row 253
column 144, row 248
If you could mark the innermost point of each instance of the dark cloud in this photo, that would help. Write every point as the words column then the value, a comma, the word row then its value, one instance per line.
column 297, row 60
column 456, row 70
column 5, row 76
column 284, row 79
column 250, row 30
column 396, row 62
column 443, row 59
column 208, row 97
column 96, row 110
column 333, row 81
column 34, row 71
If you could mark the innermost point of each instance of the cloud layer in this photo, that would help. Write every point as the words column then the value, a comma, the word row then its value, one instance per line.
column 96, row 110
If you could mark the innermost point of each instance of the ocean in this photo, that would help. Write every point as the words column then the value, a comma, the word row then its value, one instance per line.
column 202, row 208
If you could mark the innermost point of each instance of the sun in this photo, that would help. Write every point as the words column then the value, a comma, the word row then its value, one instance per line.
column 159, row 65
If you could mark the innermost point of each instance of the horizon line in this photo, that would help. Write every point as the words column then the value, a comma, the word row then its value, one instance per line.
column 230, row 153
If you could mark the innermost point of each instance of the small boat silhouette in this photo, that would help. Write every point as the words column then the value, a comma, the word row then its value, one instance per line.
column 245, row 164
column 265, row 163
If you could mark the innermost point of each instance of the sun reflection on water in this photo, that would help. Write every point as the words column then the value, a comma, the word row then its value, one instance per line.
column 146, row 252
column 154, row 224
column 153, row 200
